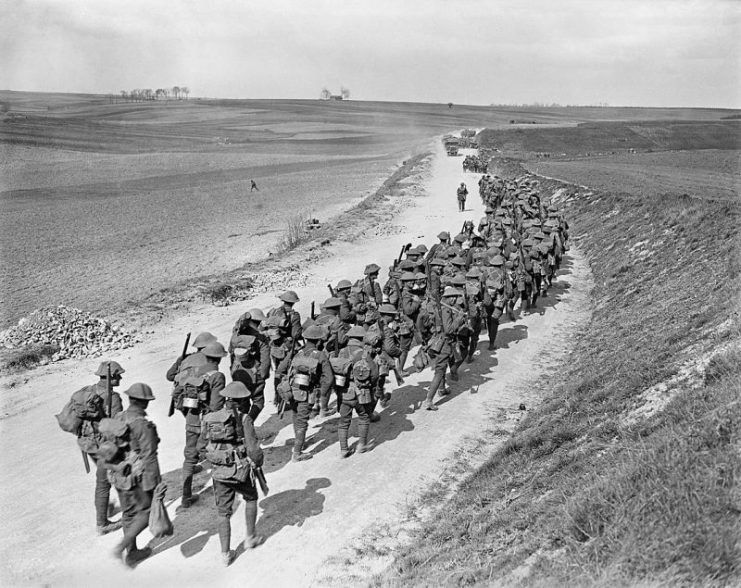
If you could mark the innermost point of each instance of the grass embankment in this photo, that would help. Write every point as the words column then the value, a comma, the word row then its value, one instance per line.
column 617, row 136
column 628, row 472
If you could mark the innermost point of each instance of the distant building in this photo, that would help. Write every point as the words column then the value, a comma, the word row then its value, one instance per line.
column 336, row 97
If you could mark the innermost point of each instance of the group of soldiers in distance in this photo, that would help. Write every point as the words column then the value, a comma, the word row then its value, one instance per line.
column 439, row 299
column 476, row 164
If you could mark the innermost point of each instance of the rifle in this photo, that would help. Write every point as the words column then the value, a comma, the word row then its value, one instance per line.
column 397, row 373
column 256, row 473
column 404, row 249
column 171, row 410
column 109, row 393
column 313, row 310
column 85, row 461
column 331, row 290
column 282, row 406
column 454, row 309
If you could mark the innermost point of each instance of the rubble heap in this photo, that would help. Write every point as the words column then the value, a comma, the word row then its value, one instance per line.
column 76, row 333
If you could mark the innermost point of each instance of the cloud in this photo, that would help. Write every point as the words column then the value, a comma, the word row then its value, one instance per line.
column 629, row 51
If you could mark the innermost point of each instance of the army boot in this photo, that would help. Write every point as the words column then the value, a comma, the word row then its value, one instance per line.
column 402, row 361
column 493, row 330
column 298, row 446
column 224, row 528
column 136, row 556
column 107, row 527
column 344, row 451
column 227, row 558
column 251, row 540
column 363, row 445
column 324, row 407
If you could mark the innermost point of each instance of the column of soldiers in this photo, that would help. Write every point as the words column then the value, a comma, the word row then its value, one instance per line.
column 475, row 164
column 439, row 300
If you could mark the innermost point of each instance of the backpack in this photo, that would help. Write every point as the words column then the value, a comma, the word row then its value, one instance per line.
column 333, row 324
column 341, row 368
column 220, row 427
column 361, row 372
column 307, row 365
column 84, row 405
column 123, row 464
column 191, row 389
column 373, row 336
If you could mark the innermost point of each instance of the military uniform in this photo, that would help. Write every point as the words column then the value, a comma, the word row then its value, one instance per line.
column 290, row 326
column 195, row 444
column 252, row 327
column 462, row 192
column 329, row 317
column 242, row 445
column 89, row 439
column 136, row 500
column 305, row 395
column 247, row 368
column 347, row 313
column 356, row 393
column 447, row 324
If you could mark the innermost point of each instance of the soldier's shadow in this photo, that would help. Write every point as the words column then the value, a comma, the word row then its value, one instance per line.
column 291, row 507
column 192, row 527
column 394, row 418
column 268, row 431
column 322, row 435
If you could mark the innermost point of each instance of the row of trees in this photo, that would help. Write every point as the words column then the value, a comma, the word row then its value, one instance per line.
column 141, row 95
column 327, row 95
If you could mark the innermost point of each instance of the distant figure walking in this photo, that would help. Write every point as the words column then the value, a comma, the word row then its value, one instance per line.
column 462, row 193
column 253, row 187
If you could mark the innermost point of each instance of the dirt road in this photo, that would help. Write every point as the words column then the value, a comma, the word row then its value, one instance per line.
column 315, row 508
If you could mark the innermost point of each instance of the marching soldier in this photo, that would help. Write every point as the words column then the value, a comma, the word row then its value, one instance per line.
column 329, row 317
column 368, row 290
column 250, row 324
column 355, row 393
column 391, row 349
column 193, row 359
column 462, row 192
column 233, row 445
column 89, row 438
column 439, row 250
column 473, row 292
column 290, row 319
column 347, row 314
column 246, row 367
column 197, row 389
column 136, row 495
column 447, row 325
column 304, row 378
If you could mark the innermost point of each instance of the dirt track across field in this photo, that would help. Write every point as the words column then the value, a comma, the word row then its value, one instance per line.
column 315, row 508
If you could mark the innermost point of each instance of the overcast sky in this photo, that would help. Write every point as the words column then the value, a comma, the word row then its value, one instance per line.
column 622, row 52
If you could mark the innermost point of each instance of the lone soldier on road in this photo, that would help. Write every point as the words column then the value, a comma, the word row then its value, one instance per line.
column 462, row 193
column 253, row 186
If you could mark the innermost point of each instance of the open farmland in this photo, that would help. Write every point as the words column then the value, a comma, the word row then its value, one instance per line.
column 707, row 173
column 105, row 202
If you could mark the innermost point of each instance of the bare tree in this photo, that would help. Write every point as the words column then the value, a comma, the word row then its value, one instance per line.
column 124, row 95
column 185, row 90
column 344, row 92
column 325, row 95
column 176, row 92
